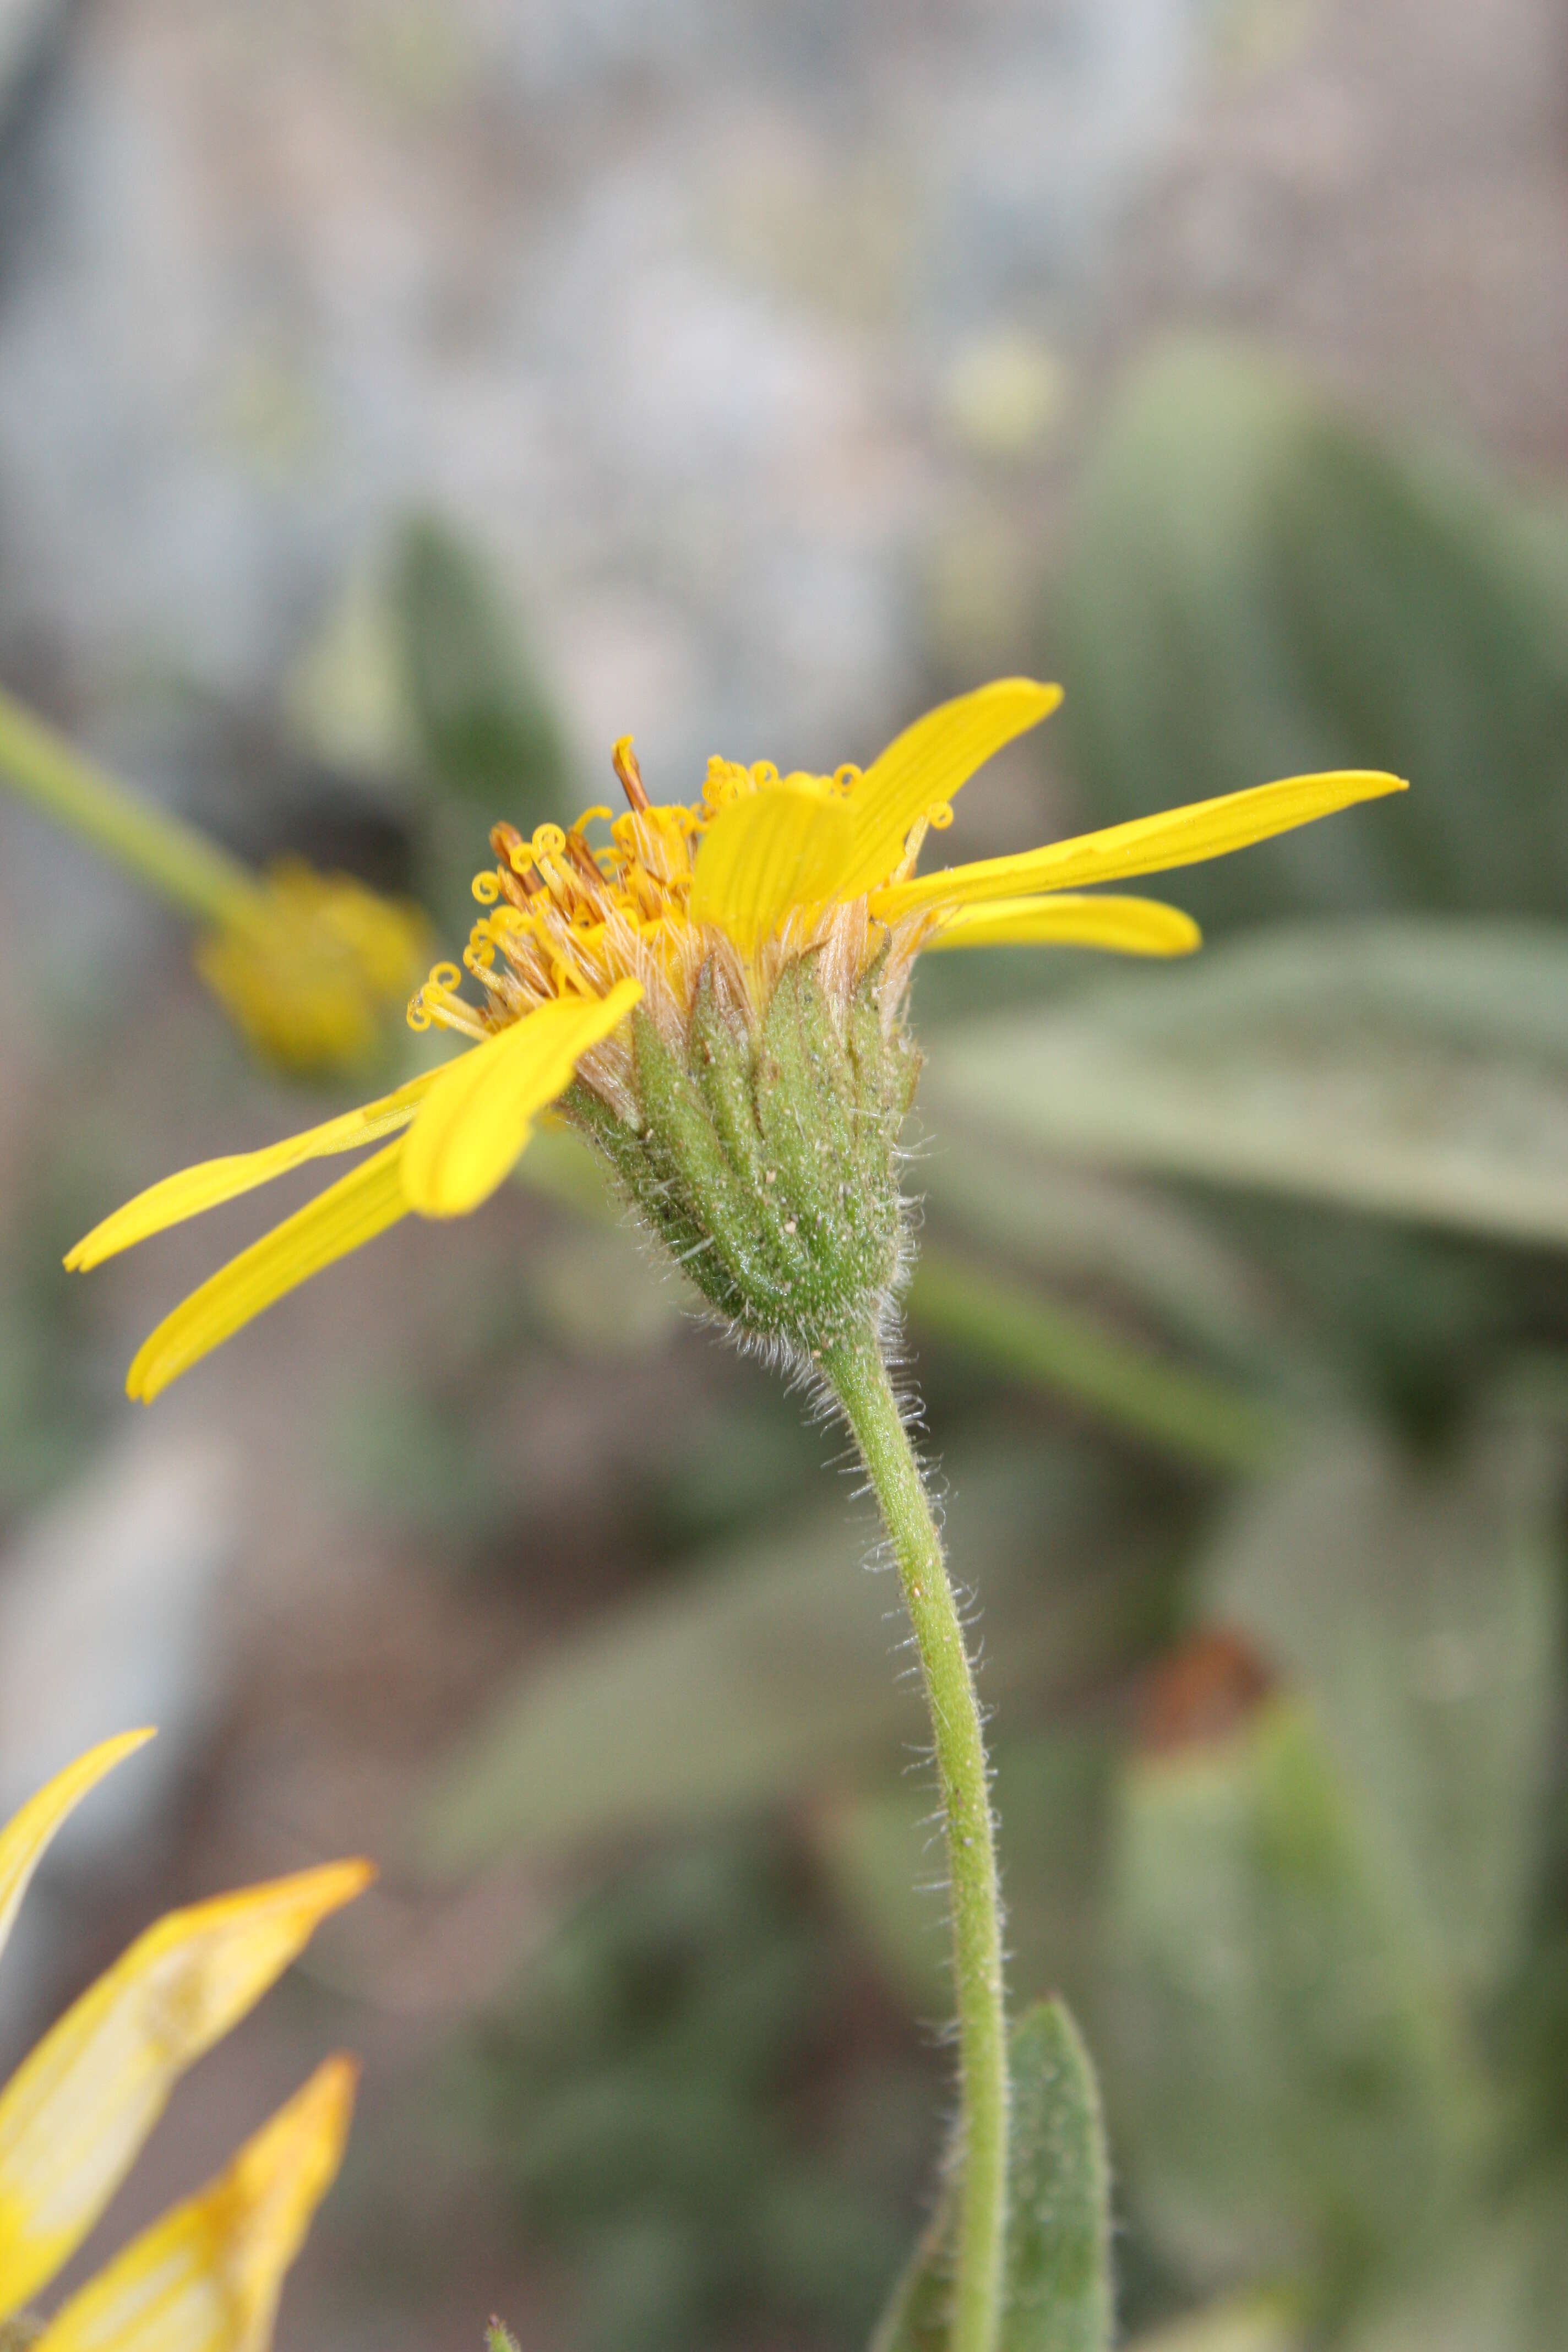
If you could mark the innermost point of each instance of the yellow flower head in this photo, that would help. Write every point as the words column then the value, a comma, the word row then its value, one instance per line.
column 713, row 994
column 310, row 967
column 74, row 2115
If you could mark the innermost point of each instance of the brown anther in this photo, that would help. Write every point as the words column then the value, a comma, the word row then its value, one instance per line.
column 624, row 759
column 516, row 888
column 519, row 882
column 583, row 858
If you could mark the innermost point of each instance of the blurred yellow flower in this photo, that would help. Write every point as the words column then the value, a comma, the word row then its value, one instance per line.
column 74, row 2115
column 310, row 967
column 764, row 877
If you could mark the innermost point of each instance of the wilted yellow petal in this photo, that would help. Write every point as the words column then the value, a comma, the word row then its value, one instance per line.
column 1149, row 845
column 1124, row 925
column 348, row 1213
column 207, row 2277
column 79, row 2108
column 26, row 1835
column 472, row 1128
column 781, row 847
column 926, row 765
column 176, row 1198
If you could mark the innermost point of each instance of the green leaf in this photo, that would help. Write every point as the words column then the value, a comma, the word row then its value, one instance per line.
column 1413, row 1068
column 730, row 1690
column 1417, row 1603
column 1255, row 587
column 1296, row 2094
column 916, row 2320
column 1058, row 2207
column 1058, row 2291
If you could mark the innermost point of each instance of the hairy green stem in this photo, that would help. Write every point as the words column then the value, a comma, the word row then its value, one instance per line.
column 858, row 1376
column 174, row 859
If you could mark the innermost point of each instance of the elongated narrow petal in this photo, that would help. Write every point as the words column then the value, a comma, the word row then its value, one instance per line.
column 78, row 2109
column 348, row 1215
column 186, row 1194
column 26, row 1835
column 782, row 847
column 1149, row 845
column 472, row 1128
column 1124, row 925
column 207, row 2277
column 925, row 766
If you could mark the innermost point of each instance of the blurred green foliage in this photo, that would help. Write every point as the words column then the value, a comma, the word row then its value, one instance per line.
column 485, row 727
column 421, row 685
column 1292, row 2083
column 56, row 1391
column 788, row 1643
column 1257, row 586
column 1245, row 2323
column 485, row 738
column 1413, row 1068
column 660, row 2099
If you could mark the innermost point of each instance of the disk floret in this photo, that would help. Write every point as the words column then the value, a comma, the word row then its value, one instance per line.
column 762, row 1150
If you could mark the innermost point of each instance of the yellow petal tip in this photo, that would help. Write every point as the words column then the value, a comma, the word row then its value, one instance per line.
column 333, row 1883
column 207, row 2277
column 125, row 1743
column 1367, row 783
column 146, row 1380
column 113, row 1751
column 83, row 1255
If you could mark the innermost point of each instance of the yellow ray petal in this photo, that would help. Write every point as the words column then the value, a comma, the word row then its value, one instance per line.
column 1124, row 925
column 471, row 1131
column 781, row 847
column 1149, row 845
column 26, row 1835
column 207, row 2277
column 79, row 2108
column 186, row 1194
column 348, row 1213
column 926, row 765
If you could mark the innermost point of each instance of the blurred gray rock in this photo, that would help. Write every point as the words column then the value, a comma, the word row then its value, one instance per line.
column 108, row 1620
column 659, row 297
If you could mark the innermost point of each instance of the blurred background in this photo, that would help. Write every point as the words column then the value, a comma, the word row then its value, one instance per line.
column 399, row 399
